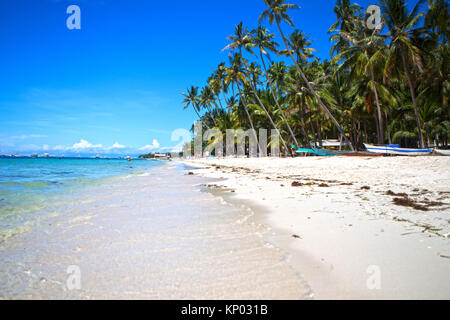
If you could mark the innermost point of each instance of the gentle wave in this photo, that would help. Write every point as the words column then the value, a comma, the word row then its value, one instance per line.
column 28, row 186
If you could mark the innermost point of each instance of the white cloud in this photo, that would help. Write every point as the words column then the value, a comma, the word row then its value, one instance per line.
column 29, row 136
column 151, row 147
column 83, row 147
column 117, row 146
column 84, row 144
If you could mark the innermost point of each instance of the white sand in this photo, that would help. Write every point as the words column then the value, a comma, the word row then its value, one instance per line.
column 348, row 231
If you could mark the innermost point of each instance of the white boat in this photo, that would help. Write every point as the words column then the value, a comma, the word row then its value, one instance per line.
column 443, row 152
column 395, row 149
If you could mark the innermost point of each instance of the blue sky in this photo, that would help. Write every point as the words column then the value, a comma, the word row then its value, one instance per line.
column 114, row 87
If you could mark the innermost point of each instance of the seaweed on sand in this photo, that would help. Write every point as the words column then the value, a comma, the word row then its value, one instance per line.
column 406, row 202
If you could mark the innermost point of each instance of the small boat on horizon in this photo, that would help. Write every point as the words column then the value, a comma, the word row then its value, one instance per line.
column 394, row 149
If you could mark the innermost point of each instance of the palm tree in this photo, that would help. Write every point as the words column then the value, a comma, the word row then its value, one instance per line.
column 300, row 44
column 403, row 49
column 253, row 73
column 219, row 75
column 437, row 18
column 235, row 74
column 207, row 99
column 242, row 39
column 344, row 11
column 263, row 40
column 363, row 53
column 215, row 85
column 191, row 98
column 277, row 13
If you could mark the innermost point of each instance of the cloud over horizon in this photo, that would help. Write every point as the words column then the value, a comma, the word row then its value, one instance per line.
column 83, row 147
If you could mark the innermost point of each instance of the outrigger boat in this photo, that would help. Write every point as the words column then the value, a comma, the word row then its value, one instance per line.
column 331, row 153
column 443, row 152
column 318, row 152
column 394, row 149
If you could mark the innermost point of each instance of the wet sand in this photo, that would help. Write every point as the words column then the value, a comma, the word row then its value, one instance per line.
column 160, row 235
column 356, row 228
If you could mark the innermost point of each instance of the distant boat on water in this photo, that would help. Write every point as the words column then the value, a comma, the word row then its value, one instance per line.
column 395, row 149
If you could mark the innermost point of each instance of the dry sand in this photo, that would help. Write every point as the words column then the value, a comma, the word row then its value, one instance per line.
column 344, row 222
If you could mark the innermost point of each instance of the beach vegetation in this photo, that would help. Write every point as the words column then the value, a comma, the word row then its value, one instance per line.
column 383, row 85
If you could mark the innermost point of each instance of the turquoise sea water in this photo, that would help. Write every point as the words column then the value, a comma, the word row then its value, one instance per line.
column 29, row 185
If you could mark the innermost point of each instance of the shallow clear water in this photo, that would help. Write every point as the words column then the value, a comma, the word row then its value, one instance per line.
column 154, row 235
column 27, row 186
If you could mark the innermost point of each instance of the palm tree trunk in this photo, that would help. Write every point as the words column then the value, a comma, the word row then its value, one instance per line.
column 270, row 119
column 227, row 102
column 276, row 100
column 302, row 120
column 387, row 129
column 377, row 125
column 380, row 117
column 241, row 97
column 255, row 92
column 198, row 115
column 325, row 109
column 319, row 133
column 220, row 102
column 311, row 124
column 366, row 136
column 212, row 115
column 413, row 96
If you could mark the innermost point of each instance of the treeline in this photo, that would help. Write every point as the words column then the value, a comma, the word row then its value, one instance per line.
column 384, row 83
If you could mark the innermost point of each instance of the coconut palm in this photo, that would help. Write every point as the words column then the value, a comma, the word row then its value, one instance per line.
column 363, row 54
column 263, row 40
column 253, row 73
column 403, row 50
column 192, row 99
column 345, row 12
column 300, row 44
column 242, row 39
column 215, row 84
column 219, row 75
column 207, row 101
column 438, row 17
column 277, row 12
column 235, row 74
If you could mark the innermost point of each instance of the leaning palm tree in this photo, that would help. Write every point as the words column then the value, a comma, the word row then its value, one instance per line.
column 300, row 44
column 253, row 73
column 192, row 98
column 219, row 75
column 403, row 50
column 207, row 100
column 216, row 87
column 363, row 54
column 263, row 40
column 437, row 18
column 242, row 39
column 277, row 13
column 345, row 12
column 235, row 75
